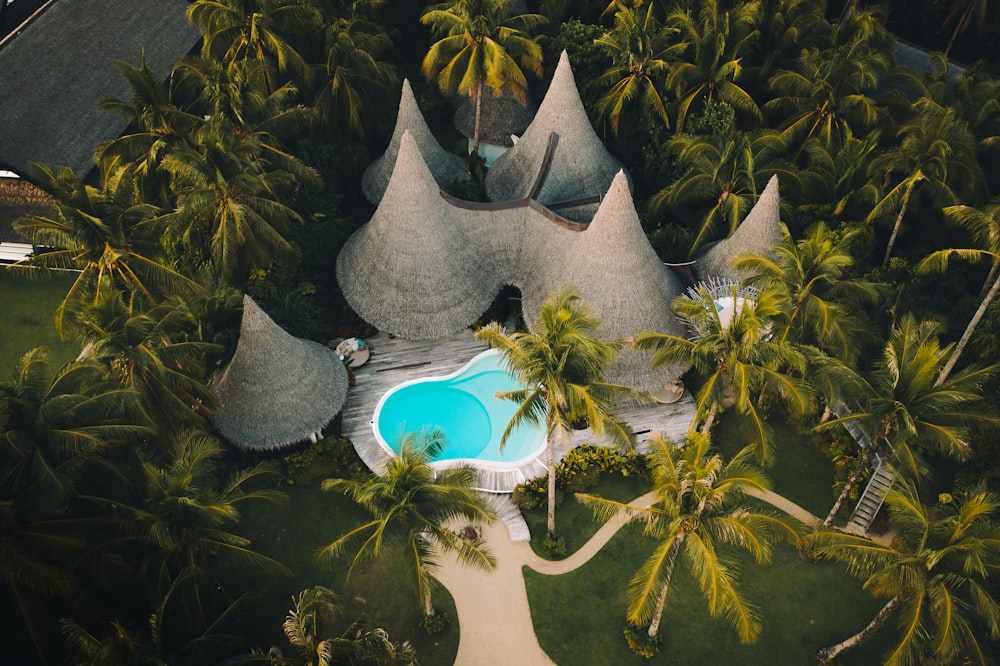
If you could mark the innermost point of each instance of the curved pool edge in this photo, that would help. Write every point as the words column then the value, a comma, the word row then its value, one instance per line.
column 494, row 476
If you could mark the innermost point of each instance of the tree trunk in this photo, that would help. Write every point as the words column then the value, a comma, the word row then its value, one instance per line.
column 479, row 118
column 969, row 330
column 851, row 482
column 899, row 219
column 706, row 427
column 654, row 626
column 828, row 654
column 551, row 524
column 428, row 604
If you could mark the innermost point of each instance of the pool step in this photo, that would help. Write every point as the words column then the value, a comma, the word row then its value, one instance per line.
column 511, row 516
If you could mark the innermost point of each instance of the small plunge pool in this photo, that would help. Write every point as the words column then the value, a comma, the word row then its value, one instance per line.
column 464, row 405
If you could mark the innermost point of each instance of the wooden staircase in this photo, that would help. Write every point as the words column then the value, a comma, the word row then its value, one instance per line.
column 872, row 499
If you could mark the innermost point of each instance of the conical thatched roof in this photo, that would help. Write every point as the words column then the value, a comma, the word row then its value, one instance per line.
column 443, row 166
column 580, row 165
column 501, row 116
column 277, row 389
column 757, row 234
column 411, row 271
column 622, row 280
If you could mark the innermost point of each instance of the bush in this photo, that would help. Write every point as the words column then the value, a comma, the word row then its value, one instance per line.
column 640, row 642
column 555, row 548
column 580, row 470
column 333, row 456
column 435, row 624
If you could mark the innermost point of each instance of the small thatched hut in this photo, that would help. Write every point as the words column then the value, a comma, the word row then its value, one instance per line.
column 277, row 389
column 500, row 117
column 759, row 232
column 444, row 166
column 56, row 70
column 578, row 166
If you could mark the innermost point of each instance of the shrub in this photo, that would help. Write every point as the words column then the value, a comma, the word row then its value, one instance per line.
column 435, row 624
column 640, row 642
column 580, row 470
column 333, row 456
column 555, row 548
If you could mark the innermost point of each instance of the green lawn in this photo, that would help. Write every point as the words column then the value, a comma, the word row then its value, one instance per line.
column 578, row 616
column 28, row 320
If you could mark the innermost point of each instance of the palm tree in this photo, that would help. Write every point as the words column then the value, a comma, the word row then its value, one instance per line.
column 147, row 352
column 935, row 572
column 717, row 40
column 261, row 30
column 99, row 232
column 640, row 51
column 721, row 172
column 308, row 629
column 787, row 27
column 698, row 506
column 935, row 148
column 60, row 424
column 836, row 177
column 963, row 14
column 230, row 208
column 829, row 93
column 562, row 364
column 817, row 298
column 985, row 228
column 902, row 408
column 353, row 74
column 482, row 44
column 740, row 360
column 412, row 506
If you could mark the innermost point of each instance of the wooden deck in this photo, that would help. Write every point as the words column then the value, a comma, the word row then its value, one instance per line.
column 394, row 361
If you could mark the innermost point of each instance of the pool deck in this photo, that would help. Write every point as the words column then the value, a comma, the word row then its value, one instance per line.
column 394, row 361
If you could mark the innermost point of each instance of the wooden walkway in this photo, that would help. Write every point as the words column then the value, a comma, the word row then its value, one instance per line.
column 394, row 361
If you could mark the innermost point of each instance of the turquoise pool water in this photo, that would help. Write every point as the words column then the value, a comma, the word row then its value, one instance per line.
column 464, row 405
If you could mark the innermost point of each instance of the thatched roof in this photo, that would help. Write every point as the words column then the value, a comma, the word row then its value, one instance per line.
column 58, row 68
column 580, row 164
column 426, row 266
column 17, row 199
column 444, row 166
column 623, row 281
column 501, row 116
column 757, row 234
column 277, row 389
column 410, row 271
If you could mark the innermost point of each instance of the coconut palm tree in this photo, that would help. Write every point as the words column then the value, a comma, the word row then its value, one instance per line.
column 720, row 174
column 412, row 506
column 640, row 49
column 717, row 40
column 698, row 507
column 483, row 43
column 935, row 572
column 263, row 30
column 100, row 233
column 308, row 628
column 985, row 228
column 817, row 298
column 353, row 75
column 901, row 407
column 837, row 178
column 740, row 360
column 561, row 364
column 935, row 148
column 965, row 13
column 147, row 351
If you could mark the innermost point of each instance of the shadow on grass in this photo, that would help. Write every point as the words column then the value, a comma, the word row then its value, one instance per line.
column 29, row 311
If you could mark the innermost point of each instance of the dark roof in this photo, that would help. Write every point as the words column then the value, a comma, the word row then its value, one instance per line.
column 18, row 198
column 56, row 70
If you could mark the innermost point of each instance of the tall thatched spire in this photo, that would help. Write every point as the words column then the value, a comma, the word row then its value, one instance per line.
column 410, row 271
column 444, row 166
column 277, row 389
column 757, row 234
column 580, row 165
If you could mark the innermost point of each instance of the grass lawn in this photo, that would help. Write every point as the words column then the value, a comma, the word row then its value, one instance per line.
column 28, row 321
column 578, row 616
column 378, row 591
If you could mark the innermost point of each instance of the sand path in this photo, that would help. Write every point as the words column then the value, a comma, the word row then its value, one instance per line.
column 494, row 618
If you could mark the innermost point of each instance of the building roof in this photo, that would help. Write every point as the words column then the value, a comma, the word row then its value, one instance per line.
column 500, row 117
column 59, row 67
column 578, row 166
column 426, row 265
column 444, row 166
column 277, row 389
column 759, row 232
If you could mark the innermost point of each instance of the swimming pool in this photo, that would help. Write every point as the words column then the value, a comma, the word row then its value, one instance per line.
column 464, row 405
